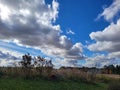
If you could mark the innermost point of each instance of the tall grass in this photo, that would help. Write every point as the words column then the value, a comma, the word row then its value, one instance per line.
column 53, row 74
column 30, row 72
column 61, row 76
column 76, row 75
column 49, row 72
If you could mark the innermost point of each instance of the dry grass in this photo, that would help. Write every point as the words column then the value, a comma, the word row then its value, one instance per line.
column 61, row 74
column 75, row 74
column 109, row 76
column 25, row 72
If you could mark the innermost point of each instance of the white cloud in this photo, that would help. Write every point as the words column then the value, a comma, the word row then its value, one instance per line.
column 101, row 60
column 110, row 12
column 110, row 33
column 70, row 32
column 6, row 59
column 30, row 23
column 107, row 40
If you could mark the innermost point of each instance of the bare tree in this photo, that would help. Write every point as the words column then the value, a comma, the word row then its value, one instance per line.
column 26, row 62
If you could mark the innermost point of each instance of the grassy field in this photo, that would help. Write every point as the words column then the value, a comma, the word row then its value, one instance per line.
column 70, row 79
column 42, row 84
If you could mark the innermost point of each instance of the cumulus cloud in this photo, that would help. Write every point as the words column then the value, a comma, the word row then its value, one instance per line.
column 110, row 33
column 110, row 12
column 107, row 40
column 101, row 60
column 31, row 23
column 115, row 54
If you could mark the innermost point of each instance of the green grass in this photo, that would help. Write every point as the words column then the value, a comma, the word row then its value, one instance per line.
column 43, row 84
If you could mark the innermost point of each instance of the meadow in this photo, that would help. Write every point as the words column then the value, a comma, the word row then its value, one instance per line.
column 65, row 79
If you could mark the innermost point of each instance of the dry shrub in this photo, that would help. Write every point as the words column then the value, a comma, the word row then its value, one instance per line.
column 22, row 72
column 75, row 74
column 60, row 74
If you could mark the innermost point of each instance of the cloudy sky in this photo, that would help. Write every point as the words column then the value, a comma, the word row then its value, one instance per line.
column 70, row 32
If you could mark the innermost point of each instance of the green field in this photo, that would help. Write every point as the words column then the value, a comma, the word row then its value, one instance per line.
column 42, row 84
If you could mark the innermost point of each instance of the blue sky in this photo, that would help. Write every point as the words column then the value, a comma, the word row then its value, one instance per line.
column 70, row 32
column 80, row 16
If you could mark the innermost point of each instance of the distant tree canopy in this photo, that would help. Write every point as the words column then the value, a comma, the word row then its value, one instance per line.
column 112, row 69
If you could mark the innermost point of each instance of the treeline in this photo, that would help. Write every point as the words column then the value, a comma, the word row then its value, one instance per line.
column 111, row 69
